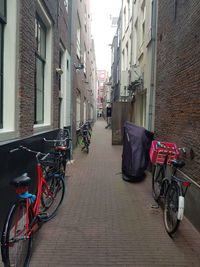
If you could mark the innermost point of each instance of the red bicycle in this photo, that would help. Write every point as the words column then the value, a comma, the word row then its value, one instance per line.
column 27, row 214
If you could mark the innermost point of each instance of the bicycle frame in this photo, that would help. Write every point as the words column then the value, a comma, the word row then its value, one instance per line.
column 36, row 206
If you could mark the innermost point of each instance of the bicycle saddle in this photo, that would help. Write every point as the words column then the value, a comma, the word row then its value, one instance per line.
column 178, row 163
column 21, row 181
column 64, row 148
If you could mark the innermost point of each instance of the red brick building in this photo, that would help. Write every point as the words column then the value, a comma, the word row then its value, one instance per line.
column 177, row 108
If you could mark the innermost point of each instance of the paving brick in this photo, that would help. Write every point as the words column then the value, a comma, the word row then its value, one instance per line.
column 105, row 221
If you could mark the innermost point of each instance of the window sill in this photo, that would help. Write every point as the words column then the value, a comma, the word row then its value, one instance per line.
column 6, row 135
column 37, row 128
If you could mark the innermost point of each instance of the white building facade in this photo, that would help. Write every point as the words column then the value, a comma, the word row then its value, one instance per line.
column 138, row 48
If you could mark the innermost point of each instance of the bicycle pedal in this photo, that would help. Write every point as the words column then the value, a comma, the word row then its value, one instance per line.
column 42, row 216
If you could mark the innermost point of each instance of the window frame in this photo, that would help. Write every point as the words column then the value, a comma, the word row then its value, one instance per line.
column 3, row 21
column 42, row 59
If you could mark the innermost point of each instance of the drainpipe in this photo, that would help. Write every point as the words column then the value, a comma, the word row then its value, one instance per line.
column 153, row 67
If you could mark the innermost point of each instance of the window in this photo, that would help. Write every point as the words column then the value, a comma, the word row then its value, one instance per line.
column 129, row 10
column 2, row 23
column 66, row 4
column 78, row 43
column 78, row 109
column 8, row 69
column 124, row 19
column 40, row 35
column 143, row 10
column 84, row 110
column 85, row 59
column 127, row 57
column 61, row 87
column 43, row 69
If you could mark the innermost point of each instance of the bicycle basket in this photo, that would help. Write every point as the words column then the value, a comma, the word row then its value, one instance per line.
column 158, row 154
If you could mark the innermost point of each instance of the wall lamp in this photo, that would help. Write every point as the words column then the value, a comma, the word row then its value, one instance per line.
column 59, row 71
column 79, row 66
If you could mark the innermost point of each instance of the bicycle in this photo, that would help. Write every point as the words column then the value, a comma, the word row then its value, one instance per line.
column 88, row 123
column 171, row 190
column 83, row 137
column 29, row 212
column 59, row 153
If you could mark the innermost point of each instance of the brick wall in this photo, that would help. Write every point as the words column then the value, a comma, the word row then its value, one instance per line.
column 177, row 111
column 60, row 26
column 26, row 67
column 78, row 77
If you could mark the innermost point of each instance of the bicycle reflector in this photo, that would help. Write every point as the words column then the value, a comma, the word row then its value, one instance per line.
column 186, row 184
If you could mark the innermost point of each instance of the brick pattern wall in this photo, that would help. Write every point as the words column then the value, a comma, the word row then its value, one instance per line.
column 27, row 44
column 26, row 67
column 78, row 77
column 177, row 111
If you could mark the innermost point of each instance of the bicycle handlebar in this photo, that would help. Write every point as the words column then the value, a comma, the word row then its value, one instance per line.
column 29, row 150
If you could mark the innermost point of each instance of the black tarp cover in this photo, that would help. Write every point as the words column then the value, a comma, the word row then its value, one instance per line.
column 136, row 145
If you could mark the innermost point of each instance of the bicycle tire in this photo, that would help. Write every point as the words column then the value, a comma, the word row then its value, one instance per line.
column 52, row 198
column 62, row 167
column 87, row 149
column 171, row 221
column 15, row 250
column 157, row 181
column 80, row 140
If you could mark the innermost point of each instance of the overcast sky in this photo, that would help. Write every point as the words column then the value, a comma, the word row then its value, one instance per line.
column 102, row 32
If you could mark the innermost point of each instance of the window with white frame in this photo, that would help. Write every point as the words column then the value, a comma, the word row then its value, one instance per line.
column 43, row 68
column 8, row 69
column 78, row 109
column 124, row 19
column 66, row 4
column 85, row 59
column 135, row 43
column 129, row 11
column 40, row 34
column 84, row 110
column 2, row 23
column 78, row 42
column 143, row 17
column 127, row 56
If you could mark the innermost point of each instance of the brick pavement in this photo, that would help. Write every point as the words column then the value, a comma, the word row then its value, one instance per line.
column 105, row 221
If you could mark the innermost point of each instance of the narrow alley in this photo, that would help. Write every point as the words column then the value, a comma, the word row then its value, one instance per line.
column 105, row 221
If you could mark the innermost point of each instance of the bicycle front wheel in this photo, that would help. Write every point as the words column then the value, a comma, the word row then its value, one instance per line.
column 157, row 181
column 15, row 241
column 171, row 208
column 80, row 140
column 52, row 195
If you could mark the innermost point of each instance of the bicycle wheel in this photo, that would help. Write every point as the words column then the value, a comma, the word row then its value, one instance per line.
column 87, row 148
column 52, row 196
column 15, row 243
column 157, row 181
column 86, row 144
column 171, row 221
column 62, row 167
column 80, row 141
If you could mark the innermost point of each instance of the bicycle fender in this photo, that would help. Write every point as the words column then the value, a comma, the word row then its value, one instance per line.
column 181, row 204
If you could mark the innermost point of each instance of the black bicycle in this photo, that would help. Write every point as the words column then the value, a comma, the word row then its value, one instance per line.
column 60, row 150
column 171, row 190
column 83, row 137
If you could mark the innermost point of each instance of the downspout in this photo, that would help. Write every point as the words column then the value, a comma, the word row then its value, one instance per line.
column 153, row 67
column 132, row 49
